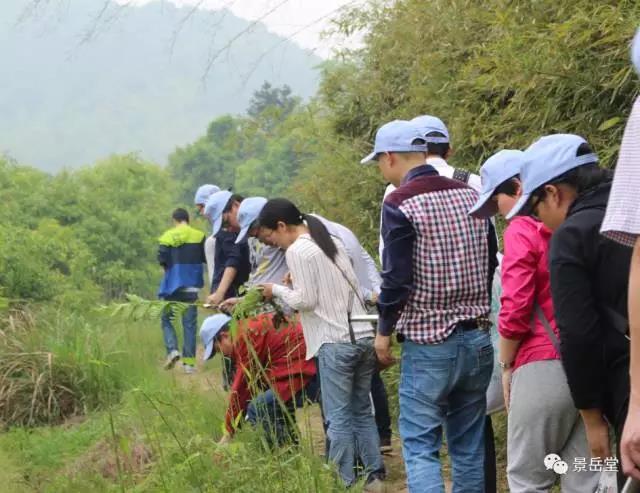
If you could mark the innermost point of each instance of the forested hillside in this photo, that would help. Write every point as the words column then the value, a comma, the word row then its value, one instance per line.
column 88, row 78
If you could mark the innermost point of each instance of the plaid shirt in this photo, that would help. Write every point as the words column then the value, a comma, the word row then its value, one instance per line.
column 435, row 259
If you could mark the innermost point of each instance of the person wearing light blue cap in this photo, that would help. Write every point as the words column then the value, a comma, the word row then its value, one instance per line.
column 439, row 149
column 231, row 260
column 440, row 312
column 542, row 417
column 622, row 224
column 269, row 265
column 232, row 264
column 202, row 195
column 564, row 187
column 267, row 350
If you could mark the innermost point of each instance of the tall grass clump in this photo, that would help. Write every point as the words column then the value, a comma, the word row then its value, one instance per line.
column 55, row 364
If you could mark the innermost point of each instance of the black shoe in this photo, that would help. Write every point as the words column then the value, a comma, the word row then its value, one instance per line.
column 385, row 445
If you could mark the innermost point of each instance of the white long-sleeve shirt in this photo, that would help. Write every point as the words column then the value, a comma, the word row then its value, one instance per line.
column 322, row 294
column 210, row 255
column 364, row 266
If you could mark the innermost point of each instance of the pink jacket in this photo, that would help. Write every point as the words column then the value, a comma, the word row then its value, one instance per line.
column 525, row 281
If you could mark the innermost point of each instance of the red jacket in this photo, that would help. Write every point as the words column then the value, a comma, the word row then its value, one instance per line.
column 267, row 357
column 525, row 281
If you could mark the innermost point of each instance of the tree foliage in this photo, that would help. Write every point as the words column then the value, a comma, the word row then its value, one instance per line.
column 499, row 73
column 256, row 154
column 83, row 234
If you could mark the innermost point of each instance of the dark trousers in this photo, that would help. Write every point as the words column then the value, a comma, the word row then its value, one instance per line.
column 381, row 406
column 490, row 476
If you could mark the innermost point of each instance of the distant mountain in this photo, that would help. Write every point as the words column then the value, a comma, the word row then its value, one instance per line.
column 82, row 79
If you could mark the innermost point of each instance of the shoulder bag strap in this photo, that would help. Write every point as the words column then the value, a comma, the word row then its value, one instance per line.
column 547, row 327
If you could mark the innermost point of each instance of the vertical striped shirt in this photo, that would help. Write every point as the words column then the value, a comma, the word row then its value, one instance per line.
column 622, row 221
column 322, row 294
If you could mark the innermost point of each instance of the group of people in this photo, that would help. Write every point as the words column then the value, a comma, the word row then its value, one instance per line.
column 278, row 362
column 570, row 279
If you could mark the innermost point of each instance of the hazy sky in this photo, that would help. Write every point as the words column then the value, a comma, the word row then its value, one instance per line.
column 310, row 17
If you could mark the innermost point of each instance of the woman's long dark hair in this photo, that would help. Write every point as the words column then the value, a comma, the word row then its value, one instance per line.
column 283, row 210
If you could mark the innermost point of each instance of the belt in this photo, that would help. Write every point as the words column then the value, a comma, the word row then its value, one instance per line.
column 474, row 323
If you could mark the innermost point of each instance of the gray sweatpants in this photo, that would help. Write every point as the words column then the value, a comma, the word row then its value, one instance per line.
column 542, row 420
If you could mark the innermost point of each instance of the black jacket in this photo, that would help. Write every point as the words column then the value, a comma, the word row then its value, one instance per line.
column 589, row 277
column 230, row 254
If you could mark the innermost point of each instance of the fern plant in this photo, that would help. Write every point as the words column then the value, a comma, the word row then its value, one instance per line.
column 138, row 308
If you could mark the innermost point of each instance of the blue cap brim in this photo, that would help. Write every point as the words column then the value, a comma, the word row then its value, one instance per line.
column 522, row 201
column 217, row 224
column 209, row 351
column 242, row 234
column 484, row 207
column 369, row 158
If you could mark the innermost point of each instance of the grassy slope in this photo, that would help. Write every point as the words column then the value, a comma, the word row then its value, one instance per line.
column 160, row 435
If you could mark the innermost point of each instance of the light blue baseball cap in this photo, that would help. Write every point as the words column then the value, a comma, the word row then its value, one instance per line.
column 546, row 159
column 635, row 51
column 428, row 124
column 397, row 136
column 248, row 212
column 210, row 328
column 204, row 192
column 494, row 172
column 215, row 207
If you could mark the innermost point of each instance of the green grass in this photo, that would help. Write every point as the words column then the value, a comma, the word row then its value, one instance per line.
column 142, row 429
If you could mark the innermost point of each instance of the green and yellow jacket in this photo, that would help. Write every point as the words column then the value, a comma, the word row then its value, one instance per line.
column 181, row 253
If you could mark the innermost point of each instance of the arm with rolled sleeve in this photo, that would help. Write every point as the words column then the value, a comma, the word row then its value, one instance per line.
column 304, row 272
column 579, row 323
column 518, row 270
column 399, row 237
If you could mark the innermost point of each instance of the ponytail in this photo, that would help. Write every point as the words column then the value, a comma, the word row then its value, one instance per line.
column 283, row 210
column 321, row 236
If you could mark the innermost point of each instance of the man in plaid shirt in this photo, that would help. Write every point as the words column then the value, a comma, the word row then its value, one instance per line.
column 434, row 293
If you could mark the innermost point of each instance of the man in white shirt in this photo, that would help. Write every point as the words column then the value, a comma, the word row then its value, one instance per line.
column 202, row 195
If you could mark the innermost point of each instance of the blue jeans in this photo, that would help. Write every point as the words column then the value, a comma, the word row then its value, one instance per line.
column 445, row 385
column 277, row 419
column 189, row 325
column 345, row 380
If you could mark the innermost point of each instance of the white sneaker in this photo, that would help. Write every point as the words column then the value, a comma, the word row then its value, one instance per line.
column 171, row 360
column 188, row 369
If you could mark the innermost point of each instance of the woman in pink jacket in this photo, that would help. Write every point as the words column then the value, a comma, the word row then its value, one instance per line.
column 545, row 436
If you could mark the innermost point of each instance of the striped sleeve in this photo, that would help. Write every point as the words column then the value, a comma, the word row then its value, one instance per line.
column 305, row 274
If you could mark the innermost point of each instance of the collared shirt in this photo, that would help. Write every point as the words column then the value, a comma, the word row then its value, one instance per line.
column 622, row 221
column 322, row 294
column 436, row 258
column 444, row 169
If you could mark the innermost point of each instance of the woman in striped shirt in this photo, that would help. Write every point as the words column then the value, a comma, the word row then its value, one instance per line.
column 325, row 292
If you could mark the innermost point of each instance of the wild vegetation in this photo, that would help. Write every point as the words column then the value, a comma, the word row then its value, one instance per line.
column 83, row 404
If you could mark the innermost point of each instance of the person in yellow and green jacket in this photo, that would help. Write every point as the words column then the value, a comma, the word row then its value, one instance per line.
column 181, row 254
